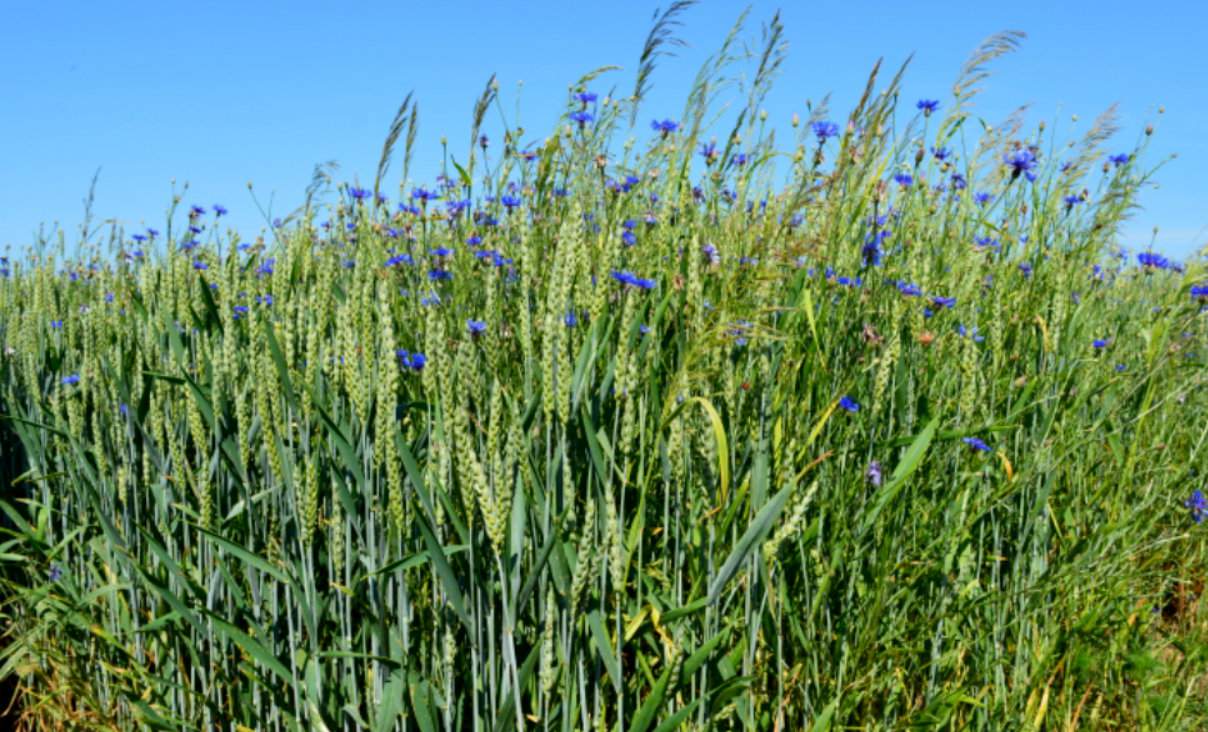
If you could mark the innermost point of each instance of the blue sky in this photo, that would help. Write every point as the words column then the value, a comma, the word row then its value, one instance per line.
column 219, row 94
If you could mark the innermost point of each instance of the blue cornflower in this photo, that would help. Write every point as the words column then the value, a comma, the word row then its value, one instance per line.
column 644, row 329
column 1100, row 343
column 1120, row 368
column 629, row 238
column 583, row 118
column 474, row 240
column 476, row 327
column 123, row 410
column 966, row 333
column 928, row 106
column 359, row 194
column 666, row 126
column 586, row 97
column 436, row 275
column 1072, row 200
column 1023, row 161
column 571, row 319
column 195, row 211
column 982, row 198
column 1198, row 506
column 1200, row 291
column 219, row 210
column 909, row 289
column 200, row 265
column 849, row 404
column 70, row 379
column 975, row 444
column 400, row 259
column 56, row 573
column 1025, row 268
column 1152, row 260
column 510, row 202
column 708, row 151
column 265, row 300
column 240, row 311
column 138, row 237
column 1120, row 159
column 109, row 297
column 629, row 278
column 823, row 129
column 266, row 267
column 943, row 302
column 441, row 252
column 423, row 195
column 739, row 159
column 903, row 179
column 413, row 361
column 941, row 154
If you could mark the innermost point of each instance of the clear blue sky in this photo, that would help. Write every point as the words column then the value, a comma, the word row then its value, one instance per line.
column 221, row 93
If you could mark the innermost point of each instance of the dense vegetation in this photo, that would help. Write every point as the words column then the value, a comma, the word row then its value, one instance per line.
column 877, row 429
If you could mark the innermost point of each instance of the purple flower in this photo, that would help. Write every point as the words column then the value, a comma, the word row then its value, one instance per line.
column 928, row 106
column 219, row 210
column 873, row 474
column 583, row 118
column 903, row 179
column 1120, row 159
column 70, row 380
column 359, row 194
column 1099, row 343
column 476, row 327
column 849, row 404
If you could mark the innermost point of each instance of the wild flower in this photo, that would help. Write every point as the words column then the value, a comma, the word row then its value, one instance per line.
column 873, row 474
column 928, row 106
column 1197, row 504
column 1021, row 161
column 665, row 126
column 1152, row 260
column 976, row 444
column 823, row 129
column 849, row 404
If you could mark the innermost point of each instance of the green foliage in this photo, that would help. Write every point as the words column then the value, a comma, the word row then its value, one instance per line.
column 251, row 512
